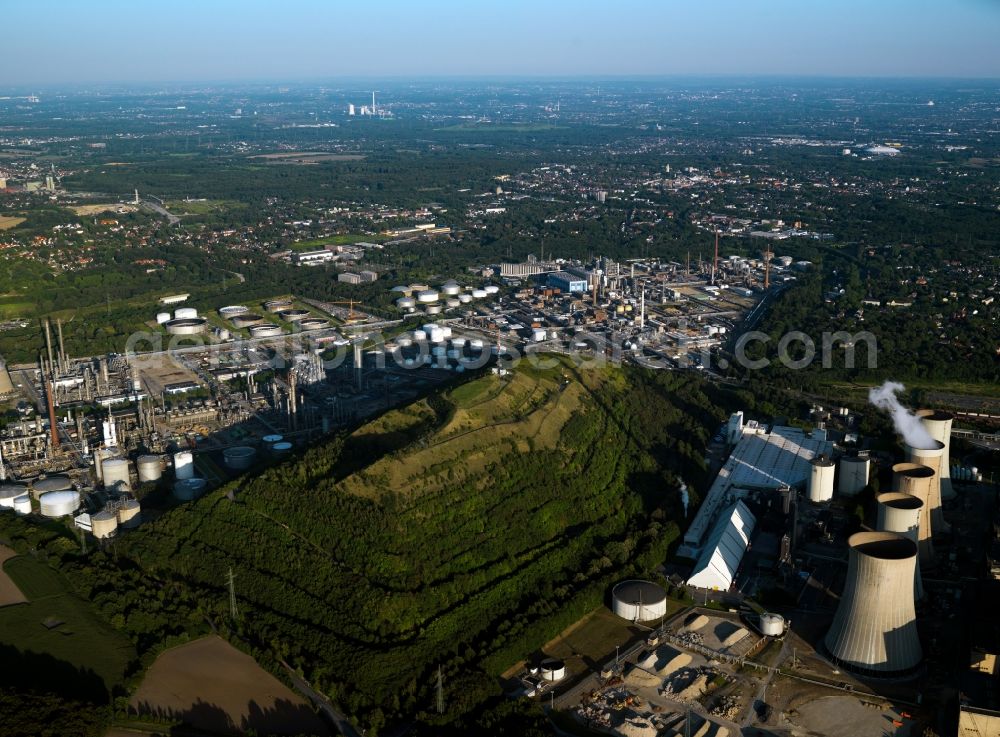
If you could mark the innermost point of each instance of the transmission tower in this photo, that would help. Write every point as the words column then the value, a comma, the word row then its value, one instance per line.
column 233, row 610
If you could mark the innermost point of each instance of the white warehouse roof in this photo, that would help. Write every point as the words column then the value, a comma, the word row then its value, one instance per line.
column 724, row 549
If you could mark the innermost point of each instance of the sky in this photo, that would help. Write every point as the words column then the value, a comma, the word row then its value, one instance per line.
column 92, row 41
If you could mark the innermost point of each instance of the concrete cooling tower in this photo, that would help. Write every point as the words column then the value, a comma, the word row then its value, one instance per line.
column 938, row 424
column 874, row 631
column 932, row 458
column 900, row 513
column 915, row 479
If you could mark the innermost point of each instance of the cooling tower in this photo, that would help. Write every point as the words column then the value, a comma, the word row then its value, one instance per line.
column 900, row 513
column 938, row 424
column 932, row 458
column 915, row 480
column 874, row 631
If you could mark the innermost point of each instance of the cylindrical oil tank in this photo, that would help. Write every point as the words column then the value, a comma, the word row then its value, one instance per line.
column 246, row 320
column 116, row 474
column 915, row 479
column 270, row 440
column 231, row 311
column 293, row 315
column 772, row 625
column 239, row 458
column 59, row 503
column 162, row 318
column 185, row 313
column 189, row 488
column 313, row 323
column 552, row 670
column 150, row 468
column 22, row 504
column 265, row 331
column 278, row 305
column 104, row 524
column 452, row 303
column 854, row 472
column 406, row 303
column 426, row 296
column 184, row 464
column 478, row 293
column 938, row 424
column 44, row 484
column 933, row 458
column 10, row 492
column 874, row 631
column 186, row 326
column 129, row 514
column 491, row 289
column 433, row 309
column 639, row 601
column 282, row 448
column 900, row 513
column 450, row 288
column 465, row 298
column 821, row 479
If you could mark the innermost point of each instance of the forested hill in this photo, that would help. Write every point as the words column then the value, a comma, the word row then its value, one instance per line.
column 463, row 531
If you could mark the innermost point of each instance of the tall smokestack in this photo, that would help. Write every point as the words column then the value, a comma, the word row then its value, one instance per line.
column 62, row 350
column 931, row 456
column 900, row 513
column 53, row 424
column 938, row 424
column 48, row 346
column 874, row 631
column 715, row 261
column 915, row 480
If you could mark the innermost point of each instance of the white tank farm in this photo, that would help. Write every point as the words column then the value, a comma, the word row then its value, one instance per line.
column 162, row 318
column 22, row 504
column 239, row 458
column 190, row 488
column 450, row 288
column 772, row 625
column 491, row 289
column 464, row 298
column 639, row 601
column 854, row 472
column 821, row 479
column 552, row 670
column 116, row 474
column 129, row 514
column 479, row 293
column 104, row 524
column 150, row 468
column 10, row 492
column 184, row 464
column 59, row 503
column 426, row 296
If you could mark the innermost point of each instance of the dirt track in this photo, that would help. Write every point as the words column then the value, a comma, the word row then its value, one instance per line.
column 211, row 685
column 9, row 592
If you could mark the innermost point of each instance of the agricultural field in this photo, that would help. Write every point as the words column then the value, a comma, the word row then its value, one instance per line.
column 60, row 631
column 209, row 684
column 200, row 207
column 10, row 221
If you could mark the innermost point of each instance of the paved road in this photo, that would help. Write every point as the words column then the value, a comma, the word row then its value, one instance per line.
column 157, row 206
column 322, row 703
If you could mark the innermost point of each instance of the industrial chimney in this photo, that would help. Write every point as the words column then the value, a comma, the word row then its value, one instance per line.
column 915, row 479
column 932, row 458
column 900, row 513
column 874, row 631
column 938, row 424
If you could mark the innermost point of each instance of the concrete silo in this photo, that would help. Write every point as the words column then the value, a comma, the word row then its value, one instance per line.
column 104, row 524
column 150, row 468
column 821, row 479
column 116, row 474
column 938, row 424
column 933, row 458
column 874, row 631
column 900, row 513
column 854, row 472
column 915, row 479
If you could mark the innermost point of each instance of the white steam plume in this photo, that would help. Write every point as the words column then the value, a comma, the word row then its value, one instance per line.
column 907, row 424
column 684, row 497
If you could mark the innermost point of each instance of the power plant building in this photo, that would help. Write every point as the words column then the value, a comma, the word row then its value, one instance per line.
column 720, row 558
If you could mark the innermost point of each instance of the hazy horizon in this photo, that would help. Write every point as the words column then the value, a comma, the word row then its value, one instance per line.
column 114, row 42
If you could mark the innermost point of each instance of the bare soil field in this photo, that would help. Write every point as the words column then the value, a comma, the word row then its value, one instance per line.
column 210, row 685
column 94, row 209
column 306, row 157
column 9, row 221
column 9, row 592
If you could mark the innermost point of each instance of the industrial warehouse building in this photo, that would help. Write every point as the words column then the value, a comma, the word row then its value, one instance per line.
column 566, row 282
column 724, row 549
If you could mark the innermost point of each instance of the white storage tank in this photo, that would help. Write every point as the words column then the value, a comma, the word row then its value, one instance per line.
column 491, row 289
column 184, row 464
column 162, row 318
column 406, row 303
column 854, row 472
column 116, row 474
column 104, row 524
column 129, row 514
column 185, row 313
column 233, row 310
column 478, row 293
column 552, row 670
column 433, row 309
column 59, row 503
column 270, row 440
column 10, row 492
column 464, row 298
column 239, row 458
column 265, row 331
column 452, row 303
column 451, row 288
column 639, row 601
column 538, row 334
column 282, row 448
column 821, row 479
column 189, row 488
column 44, row 484
column 150, row 468
column 426, row 296
column 22, row 504
column 772, row 625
